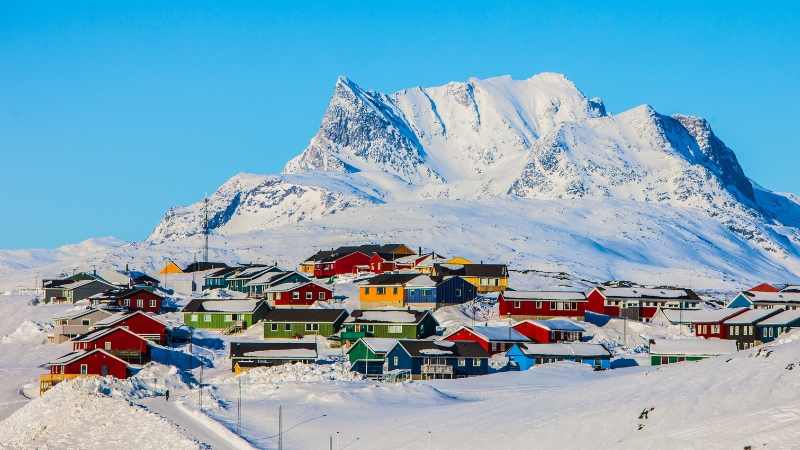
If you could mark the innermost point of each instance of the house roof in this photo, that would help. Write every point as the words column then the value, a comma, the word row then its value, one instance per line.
column 773, row 297
column 564, row 349
column 81, row 283
column 272, row 278
column 764, row 287
column 471, row 270
column 526, row 296
column 681, row 316
column 82, row 313
column 782, row 318
column 278, row 349
column 699, row 347
column 451, row 349
column 387, row 316
column 77, row 355
column 287, row 287
column 213, row 305
column 654, row 293
column 715, row 315
column 555, row 325
column 305, row 315
column 394, row 279
column 97, row 334
column 252, row 272
column 116, row 294
column 119, row 317
column 505, row 334
column 222, row 272
column 201, row 266
column 378, row 345
column 752, row 316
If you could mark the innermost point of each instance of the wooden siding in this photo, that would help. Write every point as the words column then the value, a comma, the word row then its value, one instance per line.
column 392, row 296
column 323, row 329
column 94, row 363
column 414, row 364
column 494, row 284
column 287, row 298
column 118, row 340
column 143, row 324
column 542, row 309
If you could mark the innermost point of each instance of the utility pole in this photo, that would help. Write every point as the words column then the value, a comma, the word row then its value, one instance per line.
column 429, row 440
column 280, row 427
column 205, row 228
column 239, row 411
column 337, row 440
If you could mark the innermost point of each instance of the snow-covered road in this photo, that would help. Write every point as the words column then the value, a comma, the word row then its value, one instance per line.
column 202, row 428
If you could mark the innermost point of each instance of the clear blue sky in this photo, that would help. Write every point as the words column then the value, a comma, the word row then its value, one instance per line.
column 112, row 112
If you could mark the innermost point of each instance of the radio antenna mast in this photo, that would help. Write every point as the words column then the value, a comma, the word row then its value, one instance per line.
column 205, row 228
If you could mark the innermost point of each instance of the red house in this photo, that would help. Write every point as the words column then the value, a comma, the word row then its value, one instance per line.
column 492, row 339
column 144, row 324
column 136, row 299
column 542, row 304
column 297, row 294
column 764, row 287
column 339, row 264
column 118, row 341
column 379, row 264
column 638, row 303
column 549, row 331
column 708, row 323
column 83, row 363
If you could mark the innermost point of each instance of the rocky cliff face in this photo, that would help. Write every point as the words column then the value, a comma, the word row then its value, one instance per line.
column 539, row 138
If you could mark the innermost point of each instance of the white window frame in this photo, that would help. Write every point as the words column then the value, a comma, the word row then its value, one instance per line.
column 107, row 345
column 476, row 362
column 396, row 360
column 84, row 369
column 516, row 305
column 206, row 317
column 153, row 303
column 193, row 318
column 462, row 362
column 322, row 295
column 309, row 295
column 295, row 296
column 394, row 329
column 139, row 303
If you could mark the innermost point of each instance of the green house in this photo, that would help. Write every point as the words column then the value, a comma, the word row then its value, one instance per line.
column 288, row 323
column 367, row 355
column 670, row 351
column 221, row 315
column 389, row 323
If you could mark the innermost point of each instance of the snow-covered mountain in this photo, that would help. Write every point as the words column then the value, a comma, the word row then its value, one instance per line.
column 500, row 138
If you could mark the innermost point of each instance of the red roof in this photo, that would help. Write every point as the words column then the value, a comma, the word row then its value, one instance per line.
column 764, row 287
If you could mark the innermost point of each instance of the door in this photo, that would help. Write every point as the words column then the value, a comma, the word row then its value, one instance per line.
column 103, row 370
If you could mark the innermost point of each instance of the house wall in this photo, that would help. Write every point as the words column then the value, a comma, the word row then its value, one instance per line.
column 409, row 331
column 392, row 296
column 120, row 340
column 746, row 336
column 145, row 296
column 446, row 292
column 658, row 360
column 325, row 329
column 543, row 309
column 317, row 293
column 769, row 333
column 403, row 360
column 293, row 278
column 595, row 302
column 707, row 330
column 416, row 295
column 94, row 363
column 360, row 351
column 89, row 290
column 343, row 265
column 495, row 284
column 468, row 335
column 143, row 325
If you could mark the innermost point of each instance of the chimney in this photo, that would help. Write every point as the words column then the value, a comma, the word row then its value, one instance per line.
column 126, row 268
column 420, row 251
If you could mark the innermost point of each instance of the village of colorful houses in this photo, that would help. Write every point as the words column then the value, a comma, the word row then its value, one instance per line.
column 130, row 317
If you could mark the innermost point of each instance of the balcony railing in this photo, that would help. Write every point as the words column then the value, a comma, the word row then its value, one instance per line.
column 437, row 369
column 353, row 335
column 48, row 380
column 70, row 330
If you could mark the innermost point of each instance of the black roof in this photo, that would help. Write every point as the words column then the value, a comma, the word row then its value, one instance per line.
column 393, row 278
column 204, row 265
column 238, row 349
column 319, row 256
column 275, row 277
column 458, row 349
column 355, row 316
column 116, row 294
column 222, row 272
column 49, row 284
column 305, row 315
column 471, row 270
column 385, row 250
column 145, row 278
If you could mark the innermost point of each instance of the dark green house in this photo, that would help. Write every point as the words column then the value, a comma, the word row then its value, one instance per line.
column 238, row 282
column 219, row 278
column 367, row 355
column 388, row 323
column 224, row 315
column 287, row 323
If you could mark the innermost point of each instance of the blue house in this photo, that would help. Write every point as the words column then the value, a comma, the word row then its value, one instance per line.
column 740, row 301
column 525, row 356
column 427, row 360
column 778, row 324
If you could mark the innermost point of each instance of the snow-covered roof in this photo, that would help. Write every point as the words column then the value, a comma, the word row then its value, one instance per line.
column 102, row 332
column 697, row 347
column 251, row 271
column 111, row 320
column 435, row 352
column 638, row 292
column 543, row 295
column 774, row 297
column 715, row 315
column 556, row 325
column 78, row 354
column 505, row 334
column 385, row 316
column 380, row 345
column 230, row 305
column 684, row 316
column 303, row 353
column 747, row 317
column 286, row 287
column 564, row 349
column 782, row 318
column 77, row 284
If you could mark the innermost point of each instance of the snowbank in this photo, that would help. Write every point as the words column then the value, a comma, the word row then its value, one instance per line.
column 301, row 372
column 30, row 332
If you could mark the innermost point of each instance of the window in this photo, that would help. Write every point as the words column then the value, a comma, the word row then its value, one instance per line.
column 312, row 327
column 395, row 360
column 425, row 292
column 751, row 329
column 228, row 318
column 296, row 295
column 322, row 296
column 139, row 302
column 366, row 290
column 538, row 305
column 152, row 303
column 566, row 306
column 494, row 346
column 309, row 295
column 574, row 306
column 483, row 282
column 194, row 317
column 287, row 327
column 381, row 290
column 664, row 360
column 127, row 302
column 84, row 369
column 516, row 304
column 715, row 329
column 394, row 290
column 207, row 317
column 370, row 328
column 462, row 362
column 598, row 362
column 274, row 327
column 108, row 345
column 458, row 292
column 85, row 322
column 476, row 362
column 395, row 329
column 559, row 306
column 552, row 306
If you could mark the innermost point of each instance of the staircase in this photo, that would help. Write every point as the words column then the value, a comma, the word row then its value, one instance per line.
column 234, row 328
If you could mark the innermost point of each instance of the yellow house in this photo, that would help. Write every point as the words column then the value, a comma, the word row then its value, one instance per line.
column 385, row 290
column 458, row 260
column 171, row 267
column 486, row 277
